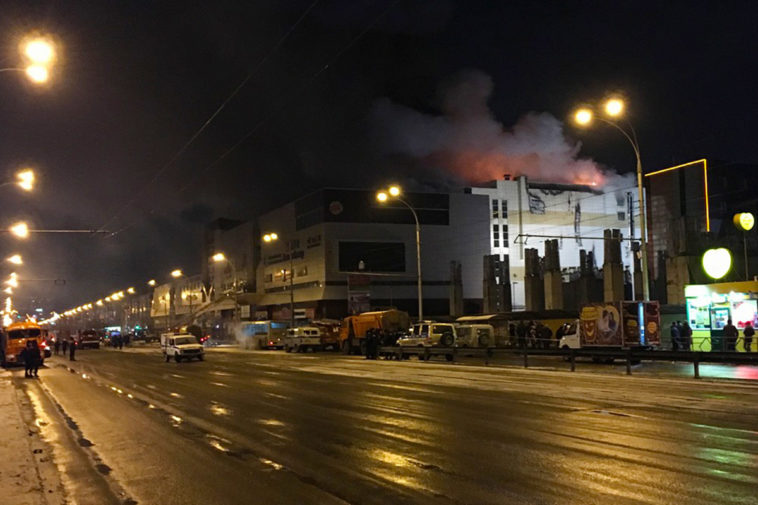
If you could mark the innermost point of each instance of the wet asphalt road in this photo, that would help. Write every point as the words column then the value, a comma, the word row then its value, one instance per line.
column 267, row 427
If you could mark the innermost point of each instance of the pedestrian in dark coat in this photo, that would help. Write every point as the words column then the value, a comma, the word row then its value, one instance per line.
column 686, row 336
column 64, row 344
column 57, row 345
column 72, row 349
column 749, row 331
column 521, row 333
column 32, row 358
column 730, row 335
column 675, row 337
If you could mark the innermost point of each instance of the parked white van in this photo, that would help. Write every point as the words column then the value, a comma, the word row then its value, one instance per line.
column 181, row 346
column 302, row 339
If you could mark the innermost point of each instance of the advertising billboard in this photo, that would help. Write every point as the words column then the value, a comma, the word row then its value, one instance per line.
column 601, row 324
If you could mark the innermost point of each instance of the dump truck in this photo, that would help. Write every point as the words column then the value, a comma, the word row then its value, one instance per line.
column 388, row 325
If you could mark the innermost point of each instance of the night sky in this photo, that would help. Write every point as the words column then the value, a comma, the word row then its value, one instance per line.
column 136, row 79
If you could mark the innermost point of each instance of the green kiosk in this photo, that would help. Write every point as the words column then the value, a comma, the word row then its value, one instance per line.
column 709, row 306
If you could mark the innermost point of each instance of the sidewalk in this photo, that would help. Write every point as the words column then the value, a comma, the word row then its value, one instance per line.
column 20, row 481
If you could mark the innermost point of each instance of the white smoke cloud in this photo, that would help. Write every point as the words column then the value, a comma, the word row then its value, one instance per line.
column 467, row 141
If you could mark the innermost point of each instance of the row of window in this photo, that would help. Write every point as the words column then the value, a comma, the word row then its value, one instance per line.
column 496, row 235
column 284, row 275
column 499, row 211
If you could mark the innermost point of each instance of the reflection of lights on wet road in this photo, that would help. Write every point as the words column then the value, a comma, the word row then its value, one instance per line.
column 176, row 395
column 270, row 422
column 272, row 464
column 729, row 371
column 278, row 396
column 388, row 457
column 150, row 406
column 218, row 443
column 175, row 420
column 219, row 410
column 130, row 396
column 220, row 384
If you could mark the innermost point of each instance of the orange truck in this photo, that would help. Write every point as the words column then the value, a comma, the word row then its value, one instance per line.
column 14, row 340
column 385, row 322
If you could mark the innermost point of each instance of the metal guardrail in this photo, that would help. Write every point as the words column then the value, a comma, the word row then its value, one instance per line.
column 629, row 356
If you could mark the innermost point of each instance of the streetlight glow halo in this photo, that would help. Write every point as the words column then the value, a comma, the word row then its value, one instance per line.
column 614, row 107
column 583, row 116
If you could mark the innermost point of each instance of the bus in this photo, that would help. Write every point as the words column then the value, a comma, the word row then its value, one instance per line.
column 16, row 336
column 263, row 334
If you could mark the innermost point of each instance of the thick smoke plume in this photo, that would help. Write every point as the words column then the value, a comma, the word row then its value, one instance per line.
column 466, row 140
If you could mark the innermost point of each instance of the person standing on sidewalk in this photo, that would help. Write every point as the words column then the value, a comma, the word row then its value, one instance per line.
column 72, row 349
column 31, row 358
column 730, row 335
column 57, row 345
column 749, row 332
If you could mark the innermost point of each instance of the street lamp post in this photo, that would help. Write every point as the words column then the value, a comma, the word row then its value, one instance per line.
column 614, row 108
column 394, row 192
column 271, row 237
column 221, row 258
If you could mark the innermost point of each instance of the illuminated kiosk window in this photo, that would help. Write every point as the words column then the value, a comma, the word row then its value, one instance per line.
column 710, row 306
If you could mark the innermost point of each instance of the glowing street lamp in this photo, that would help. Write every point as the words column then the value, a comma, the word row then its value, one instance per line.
column 131, row 291
column 176, row 273
column 613, row 109
column 37, row 74
column 272, row 237
column 220, row 257
column 39, row 51
column 20, row 230
column 25, row 179
column 394, row 192
column 583, row 116
column 151, row 282
column 15, row 259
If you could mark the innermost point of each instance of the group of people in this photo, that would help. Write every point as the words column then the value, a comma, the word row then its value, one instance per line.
column 532, row 334
column 67, row 345
column 681, row 336
column 732, row 335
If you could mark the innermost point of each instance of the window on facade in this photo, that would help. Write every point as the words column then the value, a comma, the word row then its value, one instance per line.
column 372, row 256
column 496, row 235
column 504, row 208
column 622, row 216
column 495, row 214
column 505, row 234
column 302, row 271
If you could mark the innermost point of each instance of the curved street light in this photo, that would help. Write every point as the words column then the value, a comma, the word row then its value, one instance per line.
column 39, row 54
column 394, row 192
column 273, row 237
column 613, row 109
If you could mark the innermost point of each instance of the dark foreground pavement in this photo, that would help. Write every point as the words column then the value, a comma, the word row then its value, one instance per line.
column 299, row 429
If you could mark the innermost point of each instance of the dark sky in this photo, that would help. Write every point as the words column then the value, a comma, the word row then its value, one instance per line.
column 136, row 79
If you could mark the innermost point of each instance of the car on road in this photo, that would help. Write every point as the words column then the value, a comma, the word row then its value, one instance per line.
column 302, row 339
column 429, row 334
column 181, row 346
column 89, row 339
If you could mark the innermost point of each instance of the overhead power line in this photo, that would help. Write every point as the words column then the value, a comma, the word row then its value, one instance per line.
column 213, row 116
